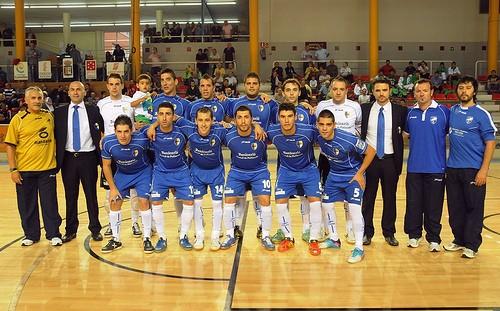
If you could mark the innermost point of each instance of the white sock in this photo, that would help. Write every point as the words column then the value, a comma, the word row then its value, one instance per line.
column 178, row 209
column 146, row 223
column 267, row 219
column 258, row 211
column 285, row 219
column 106, row 203
column 304, row 211
column 240, row 210
column 315, row 211
column 330, row 219
column 348, row 219
column 134, row 206
column 159, row 220
column 115, row 219
column 198, row 220
column 186, row 219
column 216, row 218
column 229, row 218
column 358, row 224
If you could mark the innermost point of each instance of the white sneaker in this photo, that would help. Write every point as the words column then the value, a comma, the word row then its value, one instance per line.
column 413, row 243
column 452, row 247
column 27, row 242
column 56, row 241
column 199, row 244
column 434, row 247
column 215, row 245
column 469, row 253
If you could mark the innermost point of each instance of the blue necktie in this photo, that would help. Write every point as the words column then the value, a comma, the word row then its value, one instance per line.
column 76, row 130
column 380, row 133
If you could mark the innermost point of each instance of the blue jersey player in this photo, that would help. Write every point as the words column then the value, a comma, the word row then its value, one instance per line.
column 345, row 180
column 297, row 170
column 128, row 151
column 171, row 171
column 208, row 99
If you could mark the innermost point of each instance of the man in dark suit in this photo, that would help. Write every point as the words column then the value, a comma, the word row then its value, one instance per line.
column 78, row 129
column 382, row 126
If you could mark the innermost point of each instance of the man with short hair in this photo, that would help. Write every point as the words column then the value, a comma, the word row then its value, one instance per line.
column 31, row 147
column 472, row 143
column 208, row 99
column 387, row 68
column 427, row 127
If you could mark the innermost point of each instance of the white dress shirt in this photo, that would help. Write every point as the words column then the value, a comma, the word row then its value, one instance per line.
column 85, row 137
column 371, row 135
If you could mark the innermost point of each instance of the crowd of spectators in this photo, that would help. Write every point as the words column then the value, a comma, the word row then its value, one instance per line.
column 190, row 32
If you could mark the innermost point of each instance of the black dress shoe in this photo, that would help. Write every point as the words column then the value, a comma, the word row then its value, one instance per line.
column 367, row 240
column 391, row 240
column 68, row 237
column 97, row 236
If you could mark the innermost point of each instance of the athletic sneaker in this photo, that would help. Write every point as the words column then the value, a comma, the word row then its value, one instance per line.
column 267, row 243
column 330, row 243
column 215, row 245
column 161, row 245
column 286, row 244
column 237, row 232
column 136, row 230
column 108, row 232
column 278, row 237
column 350, row 237
column 356, row 255
column 323, row 235
column 185, row 244
column 259, row 232
column 148, row 246
column 56, row 241
column 305, row 235
column 27, row 242
column 413, row 243
column 452, row 247
column 469, row 253
column 111, row 246
column 434, row 247
column 228, row 242
column 314, row 248
column 199, row 244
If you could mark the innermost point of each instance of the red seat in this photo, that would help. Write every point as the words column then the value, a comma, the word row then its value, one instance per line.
column 439, row 96
column 495, row 96
column 410, row 97
column 452, row 96
column 365, row 78
column 482, row 78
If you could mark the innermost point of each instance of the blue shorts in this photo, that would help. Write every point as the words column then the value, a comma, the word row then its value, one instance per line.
column 237, row 181
column 339, row 191
column 204, row 178
column 290, row 183
column 141, row 181
column 180, row 181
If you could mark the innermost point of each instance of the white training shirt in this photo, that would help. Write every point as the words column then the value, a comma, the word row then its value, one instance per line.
column 111, row 109
column 347, row 115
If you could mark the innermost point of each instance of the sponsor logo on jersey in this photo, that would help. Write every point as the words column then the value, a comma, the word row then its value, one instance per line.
column 433, row 119
column 469, row 119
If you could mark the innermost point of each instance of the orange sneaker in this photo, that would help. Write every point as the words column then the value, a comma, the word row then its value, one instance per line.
column 314, row 248
column 286, row 244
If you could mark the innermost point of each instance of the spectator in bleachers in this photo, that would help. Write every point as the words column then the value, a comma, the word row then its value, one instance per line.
column 332, row 69
column 187, row 31
column 77, row 61
column 393, row 79
column 227, row 32
column 492, row 84
column 290, row 71
column 230, row 68
column 405, row 85
column 188, row 75
column 155, row 59
column 346, row 72
column 30, row 37
column 4, row 112
column 324, row 90
column 108, row 56
column 3, row 77
column 231, row 78
column 443, row 72
column 166, row 33
column 410, row 69
column 358, row 87
column 219, row 73
column 323, row 76
column 364, row 98
column 310, row 70
column 230, row 93
column 313, row 84
column 305, row 92
column 176, row 32
column 386, row 69
column 8, row 92
column 275, row 81
column 7, row 35
column 322, row 55
column 278, row 69
column 198, row 32
column 119, row 54
column 229, row 55
column 437, row 82
column 47, row 102
column 423, row 69
column 453, row 73
column 214, row 56
column 193, row 92
column 89, row 55
column 33, row 55
column 380, row 75
column 148, row 33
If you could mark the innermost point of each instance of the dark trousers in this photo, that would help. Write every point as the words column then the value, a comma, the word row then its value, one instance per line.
column 383, row 170
column 424, row 205
column 324, row 168
column 80, row 167
column 41, row 183
column 465, row 207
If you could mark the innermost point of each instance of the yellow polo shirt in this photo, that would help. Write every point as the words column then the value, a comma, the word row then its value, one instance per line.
column 33, row 136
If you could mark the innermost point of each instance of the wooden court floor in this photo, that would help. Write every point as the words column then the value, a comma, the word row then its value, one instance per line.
column 77, row 276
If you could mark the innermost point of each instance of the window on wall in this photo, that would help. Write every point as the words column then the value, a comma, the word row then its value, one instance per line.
column 113, row 38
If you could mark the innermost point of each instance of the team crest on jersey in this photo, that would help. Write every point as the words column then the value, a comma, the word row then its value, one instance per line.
column 260, row 107
column 212, row 142
column 125, row 109
column 254, row 146
column 177, row 141
column 300, row 117
column 336, row 151
column 175, row 106
column 300, row 144
column 214, row 108
column 135, row 152
column 469, row 119
column 434, row 119
column 347, row 114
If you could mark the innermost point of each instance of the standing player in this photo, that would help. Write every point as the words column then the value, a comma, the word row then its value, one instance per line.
column 207, row 90
column 171, row 171
column 348, row 118
column 111, row 107
column 472, row 143
column 248, row 167
column 346, row 180
column 294, row 143
column 427, row 125
column 128, row 150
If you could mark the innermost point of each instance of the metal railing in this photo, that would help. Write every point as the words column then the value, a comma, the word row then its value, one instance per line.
column 193, row 38
column 481, row 63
